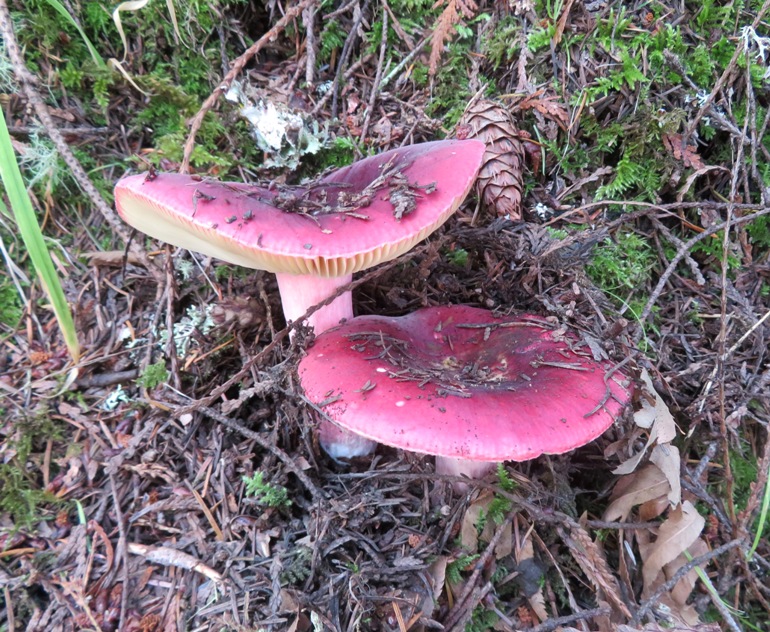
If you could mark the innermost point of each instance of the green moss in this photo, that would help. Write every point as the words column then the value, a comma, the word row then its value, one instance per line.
column 622, row 265
column 21, row 495
column 11, row 308
column 265, row 493
column 338, row 153
column 499, row 47
column 152, row 376
column 745, row 471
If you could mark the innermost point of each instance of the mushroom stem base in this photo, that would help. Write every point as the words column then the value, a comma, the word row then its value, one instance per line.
column 463, row 467
column 342, row 444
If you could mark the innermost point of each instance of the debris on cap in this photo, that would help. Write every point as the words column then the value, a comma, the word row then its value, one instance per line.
column 462, row 383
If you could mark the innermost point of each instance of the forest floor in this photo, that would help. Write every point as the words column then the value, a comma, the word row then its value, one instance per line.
column 172, row 481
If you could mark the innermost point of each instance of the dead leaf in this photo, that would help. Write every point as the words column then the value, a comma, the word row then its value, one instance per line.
column 437, row 572
column 469, row 536
column 686, row 154
column 653, row 508
column 562, row 23
column 684, row 587
column 666, row 457
column 166, row 556
column 548, row 106
column 677, row 533
column 693, row 177
column 657, row 417
column 647, row 483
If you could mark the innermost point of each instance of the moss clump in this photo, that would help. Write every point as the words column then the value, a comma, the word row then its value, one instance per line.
column 21, row 495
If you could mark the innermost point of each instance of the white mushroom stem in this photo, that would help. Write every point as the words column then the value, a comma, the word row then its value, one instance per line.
column 463, row 467
column 299, row 292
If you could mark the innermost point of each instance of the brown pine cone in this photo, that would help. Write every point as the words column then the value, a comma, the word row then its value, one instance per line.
column 499, row 183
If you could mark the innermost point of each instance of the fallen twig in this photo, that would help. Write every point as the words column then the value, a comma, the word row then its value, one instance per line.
column 680, row 254
column 317, row 494
column 167, row 556
column 377, row 78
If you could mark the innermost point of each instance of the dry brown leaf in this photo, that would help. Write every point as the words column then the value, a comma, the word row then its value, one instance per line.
column 693, row 177
column 666, row 457
column 677, row 533
column 167, row 556
column 647, row 483
column 686, row 154
column 562, row 23
column 657, row 417
column 548, row 106
column 591, row 560
column 437, row 572
column 684, row 587
column 653, row 508
column 525, row 550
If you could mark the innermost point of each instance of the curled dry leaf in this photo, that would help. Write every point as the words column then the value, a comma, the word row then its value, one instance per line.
column 655, row 416
column 166, row 556
column 675, row 536
column 667, row 458
column 647, row 483
column 548, row 106
column 684, row 587
column 437, row 573
column 469, row 532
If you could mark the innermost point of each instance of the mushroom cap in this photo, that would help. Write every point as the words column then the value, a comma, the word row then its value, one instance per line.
column 460, row 382
column 241, row 223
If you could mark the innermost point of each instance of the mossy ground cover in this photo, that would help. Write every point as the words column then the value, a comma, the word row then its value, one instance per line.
column 646, row 227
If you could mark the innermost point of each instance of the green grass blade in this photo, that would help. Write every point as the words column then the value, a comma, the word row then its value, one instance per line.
column 55, row 4
column 33, row 239
column 763, row 513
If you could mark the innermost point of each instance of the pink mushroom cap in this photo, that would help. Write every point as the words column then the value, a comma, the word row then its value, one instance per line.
column 462, row 383
column 240, row 224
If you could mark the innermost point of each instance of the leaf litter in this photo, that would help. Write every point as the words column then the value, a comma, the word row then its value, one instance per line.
column 158, row 533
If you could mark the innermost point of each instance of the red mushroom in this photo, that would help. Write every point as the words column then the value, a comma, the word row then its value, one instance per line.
column 465, row 385
column 314, row 237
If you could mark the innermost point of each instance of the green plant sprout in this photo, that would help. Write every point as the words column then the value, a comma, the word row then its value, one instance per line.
column 266, row 493
column 455, row 568
column 153, row 375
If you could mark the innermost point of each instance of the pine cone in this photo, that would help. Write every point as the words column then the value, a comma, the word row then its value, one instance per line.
column 499, row 182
